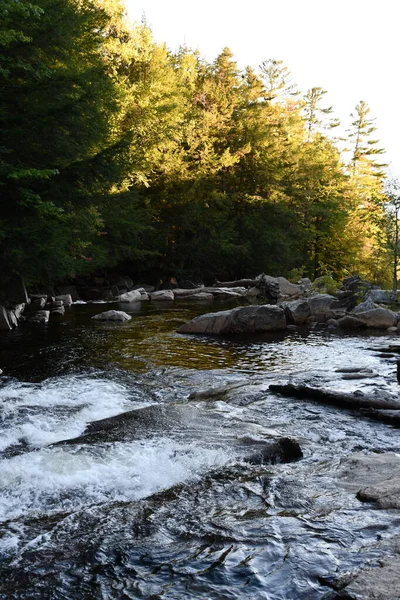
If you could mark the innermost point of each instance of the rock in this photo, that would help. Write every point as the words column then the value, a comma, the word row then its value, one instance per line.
column 248, row 319
column 145, row 286
column 379, row 318
column 363, row 471
column 200, row 297
column 297, row 312
column 162, row 296
column 288, row 289
column 350, row 322
column 38, row 301
column 378, row 583
column 66, row 299
column 186, row 284
column 16, row 290
column 116, row 279
column 253, row 292
column 18, row 310
column 381, row 296
column 269, row 287
column 40, row 317
column 133, row 296
column 305, row 284
column 283, row 450
column 64, row 290
column 59, row 311
column 115, row 291
column 385, row 494
column 320, row 305
column 57, row 303
column 12, row 318
column 92, row 294
column 392, row 330
column 364, row 307
column 184, row 293
column 347, row 300
column 129, row 282
column 112, row 315
column 108, row 296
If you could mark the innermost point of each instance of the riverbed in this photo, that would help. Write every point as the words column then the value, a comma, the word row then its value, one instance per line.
column 175, row 507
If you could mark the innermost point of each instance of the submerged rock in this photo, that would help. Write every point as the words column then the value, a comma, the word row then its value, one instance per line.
column 113, row 315
column 248, row 319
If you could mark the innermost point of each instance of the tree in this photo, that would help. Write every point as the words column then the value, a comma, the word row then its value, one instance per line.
column 316, row 116
column 57, row 110
column 391, row 225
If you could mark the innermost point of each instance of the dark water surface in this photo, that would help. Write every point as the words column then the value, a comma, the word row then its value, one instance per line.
column 171, row 508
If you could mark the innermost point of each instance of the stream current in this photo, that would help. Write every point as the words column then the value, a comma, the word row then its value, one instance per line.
column 172, row 507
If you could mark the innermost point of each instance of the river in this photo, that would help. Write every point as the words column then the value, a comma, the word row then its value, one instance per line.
column 167, row 502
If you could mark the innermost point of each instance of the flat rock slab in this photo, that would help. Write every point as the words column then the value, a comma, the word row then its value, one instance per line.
column 378, row 583
column 113, row 315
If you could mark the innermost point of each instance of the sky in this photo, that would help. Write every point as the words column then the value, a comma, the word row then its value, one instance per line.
column 348, row 47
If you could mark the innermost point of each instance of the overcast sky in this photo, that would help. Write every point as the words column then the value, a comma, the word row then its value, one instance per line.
column 348, row 47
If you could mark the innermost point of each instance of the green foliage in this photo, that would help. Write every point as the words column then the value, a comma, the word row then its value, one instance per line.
column 115, row 150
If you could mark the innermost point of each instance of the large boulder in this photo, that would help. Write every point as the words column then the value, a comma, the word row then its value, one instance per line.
column 364, row 306
column 297, row 312
column 378, row 318
column 321, row 305
column 269, row 287
column 288, row 289
column 350, row 322
column 66, row 299
column 113, row 315
column 132, row 296
column 248, row 319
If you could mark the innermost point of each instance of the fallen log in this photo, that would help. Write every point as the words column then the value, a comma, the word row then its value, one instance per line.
column 354, row 400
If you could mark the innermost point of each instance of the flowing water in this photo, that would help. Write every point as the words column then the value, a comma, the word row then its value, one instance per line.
column 167, row 500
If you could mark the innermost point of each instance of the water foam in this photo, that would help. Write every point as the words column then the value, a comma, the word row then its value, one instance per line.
column 60, row 408
column 68, row 478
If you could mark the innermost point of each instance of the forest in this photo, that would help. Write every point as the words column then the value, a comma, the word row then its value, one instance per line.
column 117, row 153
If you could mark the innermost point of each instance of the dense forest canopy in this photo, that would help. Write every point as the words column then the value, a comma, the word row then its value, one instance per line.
column 116, row 151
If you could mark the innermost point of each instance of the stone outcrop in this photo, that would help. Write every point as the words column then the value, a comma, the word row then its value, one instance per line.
column 113, row 315
column 248, row 319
